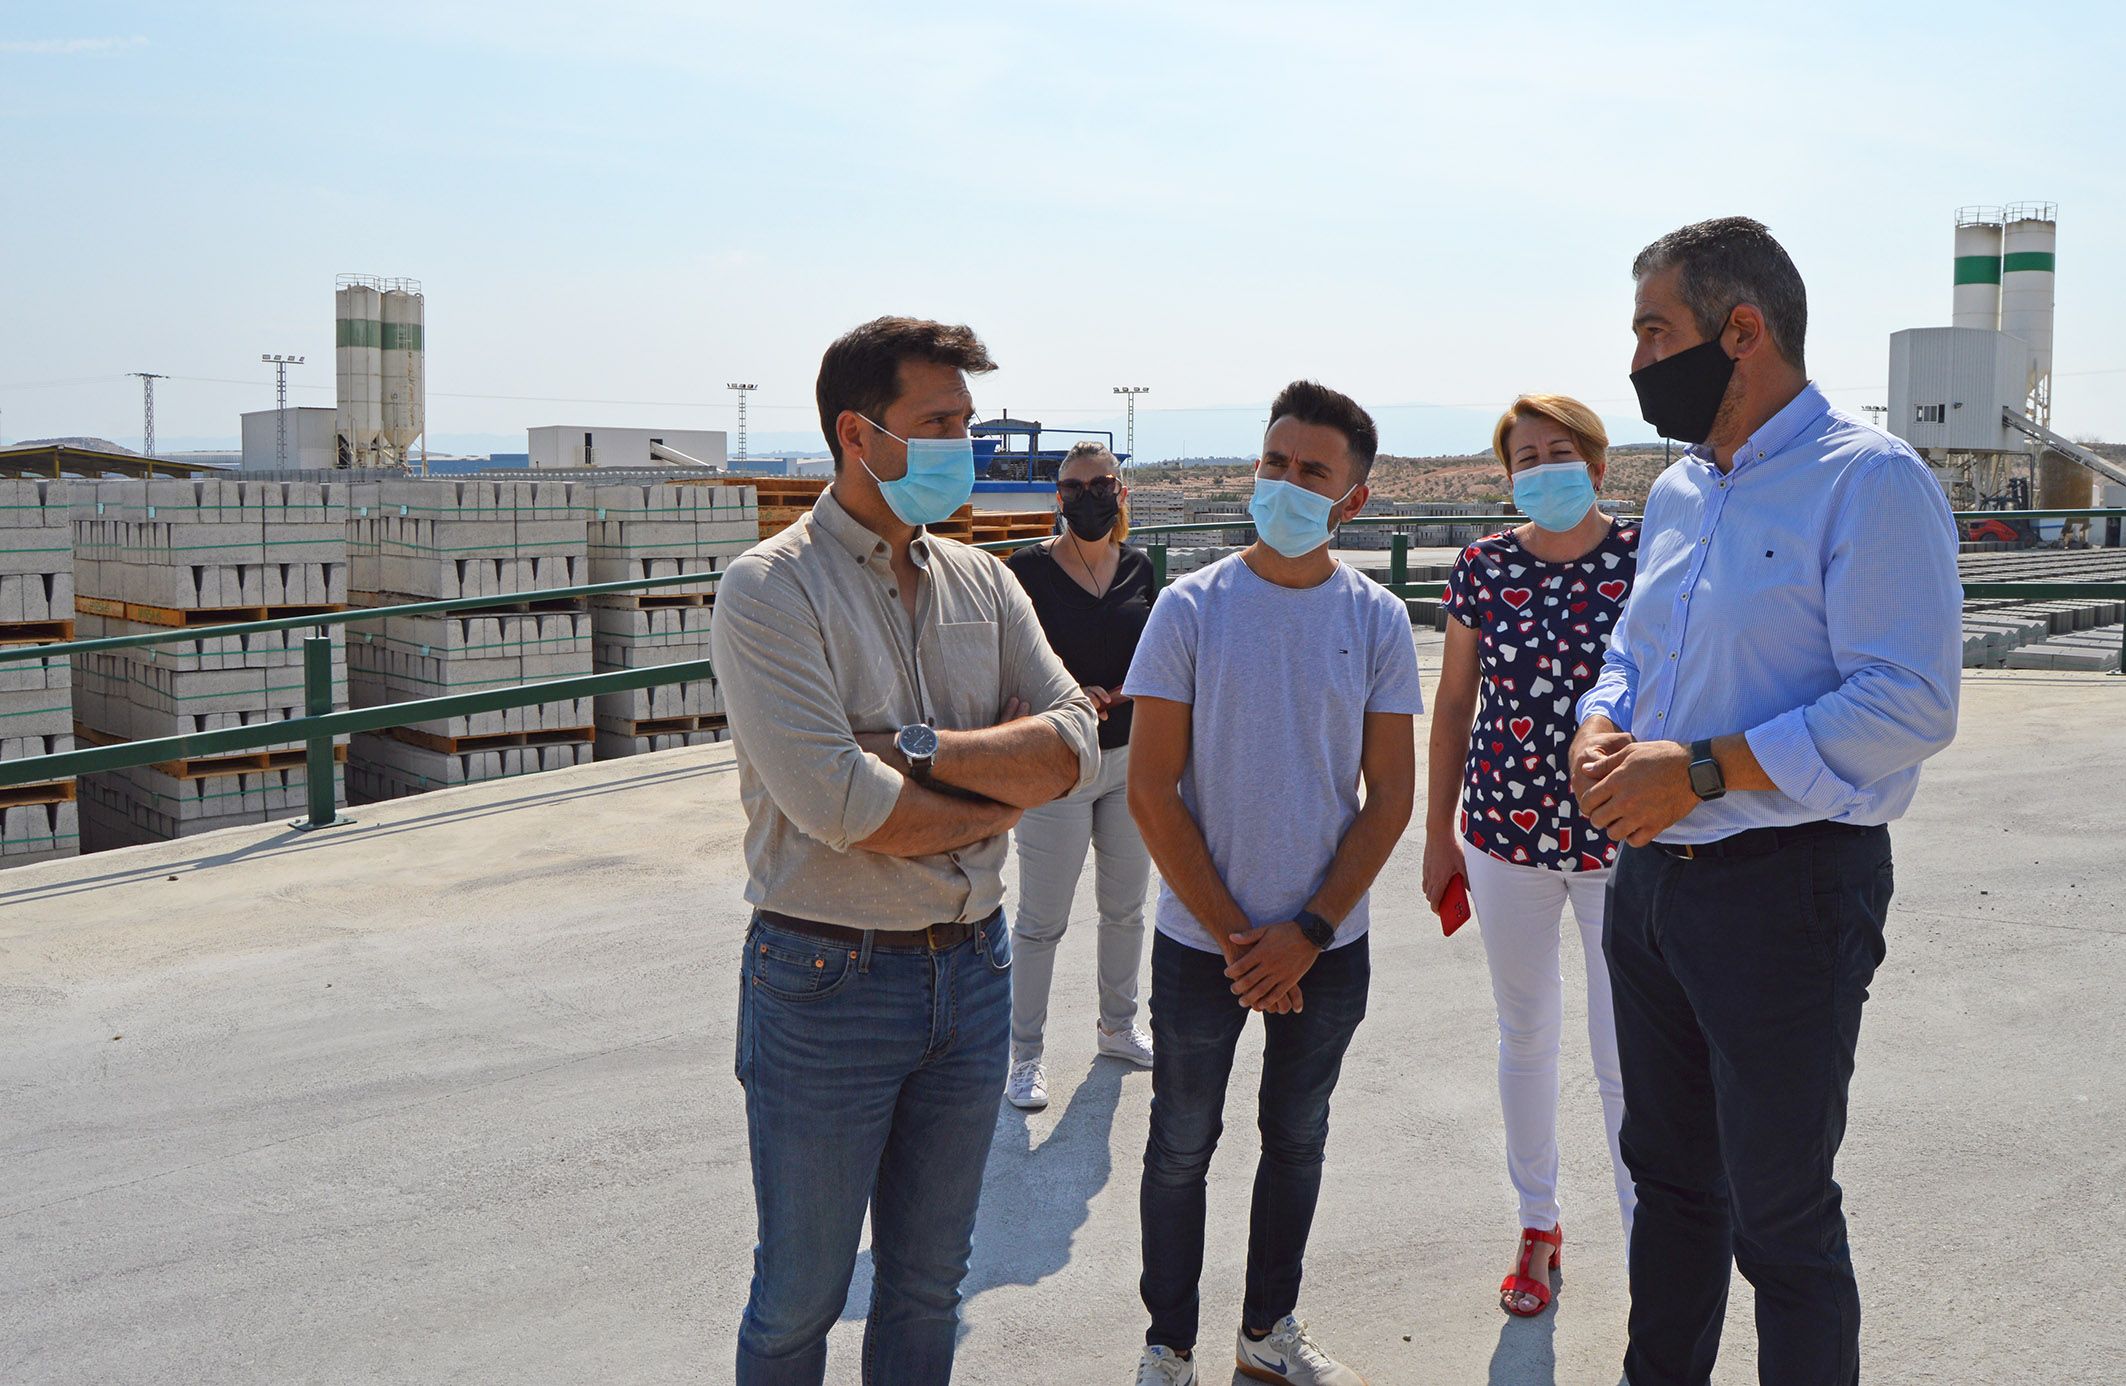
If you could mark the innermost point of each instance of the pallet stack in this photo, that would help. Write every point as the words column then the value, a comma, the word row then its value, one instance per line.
column 661, row 531
column 783, row 501
column 37, row 821
column 995, row 526
column 160, row 555
column 435, row 539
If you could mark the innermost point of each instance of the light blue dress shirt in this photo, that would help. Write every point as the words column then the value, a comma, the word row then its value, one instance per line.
column 1809, row 599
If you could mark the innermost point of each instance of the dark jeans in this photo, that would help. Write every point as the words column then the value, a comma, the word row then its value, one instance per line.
column 1738, row 986
column 1196, row 1023
column 871, row 1080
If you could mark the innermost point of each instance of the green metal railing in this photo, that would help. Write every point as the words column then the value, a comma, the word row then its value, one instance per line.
column 320, row 723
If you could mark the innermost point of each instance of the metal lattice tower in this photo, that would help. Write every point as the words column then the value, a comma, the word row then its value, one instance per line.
column 1132, row 391
column 147, row 410
column 280, row 366
column 743, row 391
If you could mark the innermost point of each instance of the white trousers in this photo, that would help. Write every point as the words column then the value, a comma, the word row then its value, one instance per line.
column 1052, row 841
column 1518, row 910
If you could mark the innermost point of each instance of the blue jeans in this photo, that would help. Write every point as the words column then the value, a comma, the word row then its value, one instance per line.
column 1196, row 1025
column 872, row 1079
column 1739, row 985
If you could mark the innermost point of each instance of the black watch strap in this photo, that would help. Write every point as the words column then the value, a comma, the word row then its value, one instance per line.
column 1706, row 779
column 1320, row 932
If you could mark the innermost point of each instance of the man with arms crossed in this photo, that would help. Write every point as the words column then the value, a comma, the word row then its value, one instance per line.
column 875, row 678
column 1268, row 686
column 1789, row 656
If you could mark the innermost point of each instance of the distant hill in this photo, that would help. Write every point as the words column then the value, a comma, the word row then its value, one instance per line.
column 86, row 444
column 1466, row 477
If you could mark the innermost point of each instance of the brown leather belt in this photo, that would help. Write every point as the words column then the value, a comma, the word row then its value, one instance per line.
column 932, row 938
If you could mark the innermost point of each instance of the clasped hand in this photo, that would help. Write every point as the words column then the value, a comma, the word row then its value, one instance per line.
column 1266, row 962
column 1632, row 790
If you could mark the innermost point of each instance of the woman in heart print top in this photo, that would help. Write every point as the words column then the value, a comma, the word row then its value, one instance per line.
column 1532, row 611
column 1541, row 630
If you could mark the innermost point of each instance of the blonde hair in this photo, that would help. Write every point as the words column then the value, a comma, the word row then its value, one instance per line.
column 1567, row 413
column 1087, row 451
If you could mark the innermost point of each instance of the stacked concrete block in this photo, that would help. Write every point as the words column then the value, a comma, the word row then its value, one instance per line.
column 434, row 540
column 650, row 531
column 37, row 821
column 196, row 554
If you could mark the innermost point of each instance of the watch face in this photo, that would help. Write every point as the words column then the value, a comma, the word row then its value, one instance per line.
column 1705, row 779
column 917, row 742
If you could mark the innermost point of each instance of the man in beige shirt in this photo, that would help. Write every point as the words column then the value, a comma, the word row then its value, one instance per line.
column 894, row 708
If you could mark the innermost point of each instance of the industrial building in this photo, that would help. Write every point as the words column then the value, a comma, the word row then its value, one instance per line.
column 583, row 445
column 306, row 434
column 1975, row 397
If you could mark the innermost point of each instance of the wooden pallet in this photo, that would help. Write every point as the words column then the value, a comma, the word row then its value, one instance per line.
column 664, row 726
column 197, row 615
column 649, row 601
column 375, row 599
column 23, row 795
column 491, row 741
column 206, row 767
column 35, row 632
column 245, row 763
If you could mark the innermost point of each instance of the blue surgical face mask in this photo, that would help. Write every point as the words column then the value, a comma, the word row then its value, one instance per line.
column 1291, row 519
column 939, row 479
column 1556, row 495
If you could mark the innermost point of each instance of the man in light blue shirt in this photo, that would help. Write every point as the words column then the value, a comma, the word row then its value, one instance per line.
column 1789, row 656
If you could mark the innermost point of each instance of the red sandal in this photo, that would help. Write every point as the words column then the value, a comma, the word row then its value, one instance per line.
column 1520, row 1282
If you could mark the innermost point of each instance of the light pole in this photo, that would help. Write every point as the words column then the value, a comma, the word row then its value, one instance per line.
column 743, row 391
column 1131, row 392
column 280, row 366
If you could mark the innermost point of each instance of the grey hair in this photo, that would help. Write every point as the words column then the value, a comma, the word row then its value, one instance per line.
column 1729, row 261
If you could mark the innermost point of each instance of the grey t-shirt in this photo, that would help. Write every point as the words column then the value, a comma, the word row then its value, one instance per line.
column 1280, row 682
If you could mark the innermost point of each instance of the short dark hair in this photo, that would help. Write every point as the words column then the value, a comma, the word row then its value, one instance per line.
column 1730, row 261
column 1312, row 402
column 862, row 369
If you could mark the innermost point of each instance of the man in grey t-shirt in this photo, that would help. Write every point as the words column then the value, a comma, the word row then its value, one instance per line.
column 1268, row 688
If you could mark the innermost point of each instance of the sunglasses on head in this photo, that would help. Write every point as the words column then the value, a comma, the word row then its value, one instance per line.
column 1101, row 486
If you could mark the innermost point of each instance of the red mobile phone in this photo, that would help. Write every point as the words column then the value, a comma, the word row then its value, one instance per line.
column 1453, row 905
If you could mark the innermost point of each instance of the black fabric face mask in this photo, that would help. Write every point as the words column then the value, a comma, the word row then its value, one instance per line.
column 1092, row 516
column 1680, row 395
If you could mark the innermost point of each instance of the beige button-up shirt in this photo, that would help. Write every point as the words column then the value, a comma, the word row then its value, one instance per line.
column 812, row 646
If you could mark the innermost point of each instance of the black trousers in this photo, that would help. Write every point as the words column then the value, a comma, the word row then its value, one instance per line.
column 1739, row 982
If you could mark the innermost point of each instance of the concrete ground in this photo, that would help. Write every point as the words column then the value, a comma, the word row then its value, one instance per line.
column 446, row 1097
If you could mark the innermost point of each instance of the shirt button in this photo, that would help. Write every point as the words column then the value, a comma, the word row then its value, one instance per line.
column 1660, row 717
column 1671, row 654
column 1703, row 541
column 893, row 591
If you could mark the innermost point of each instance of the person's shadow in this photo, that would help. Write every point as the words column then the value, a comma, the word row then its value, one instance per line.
column 1034, row 1198
column 1527, row 1352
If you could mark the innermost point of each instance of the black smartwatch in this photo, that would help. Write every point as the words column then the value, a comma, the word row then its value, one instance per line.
column 1706, row 781
column 918, row 744
column 1320, row 932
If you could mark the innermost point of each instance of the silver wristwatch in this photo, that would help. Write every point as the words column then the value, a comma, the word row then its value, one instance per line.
column 918, row 745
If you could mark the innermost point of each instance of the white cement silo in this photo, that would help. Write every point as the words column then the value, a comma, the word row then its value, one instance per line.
column 405, row 393
column 1978, row 269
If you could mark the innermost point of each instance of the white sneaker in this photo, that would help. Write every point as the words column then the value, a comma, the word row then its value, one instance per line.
column 1027, row 1087
column 1289, row 1356
column 1158, row 1366
column 1129, row 1044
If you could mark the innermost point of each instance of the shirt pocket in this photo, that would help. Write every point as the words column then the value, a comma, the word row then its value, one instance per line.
column 966, row 677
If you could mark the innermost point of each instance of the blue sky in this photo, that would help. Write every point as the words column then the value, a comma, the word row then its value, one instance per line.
column 617, row 208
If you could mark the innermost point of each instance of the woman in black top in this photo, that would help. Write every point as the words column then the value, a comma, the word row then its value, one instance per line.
column 1093, row 593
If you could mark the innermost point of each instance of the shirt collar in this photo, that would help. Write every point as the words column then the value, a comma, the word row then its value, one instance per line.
column 1778, row 431
column 860, row 543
